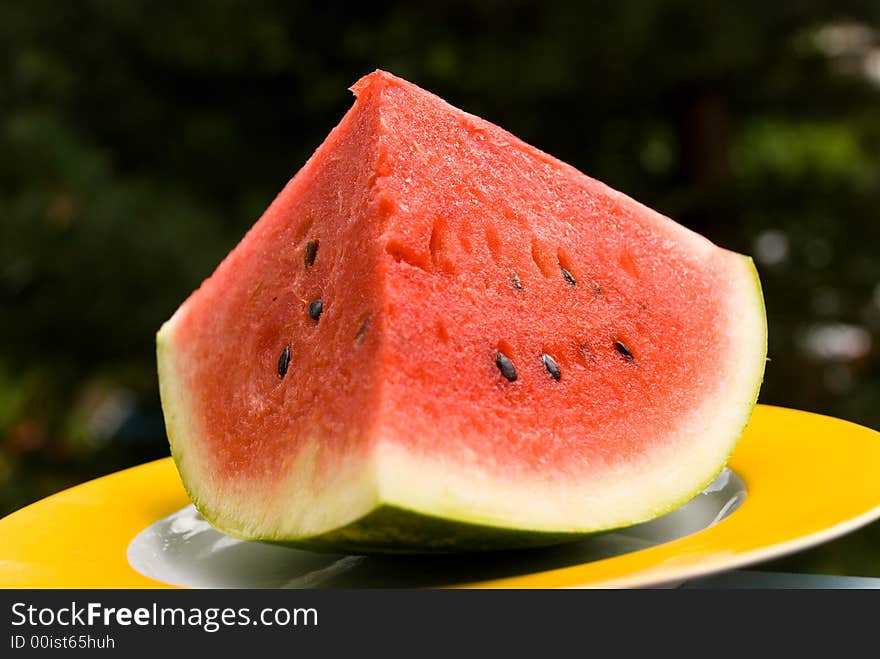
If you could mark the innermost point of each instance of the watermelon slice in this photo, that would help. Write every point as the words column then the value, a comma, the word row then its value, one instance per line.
column 439, row 338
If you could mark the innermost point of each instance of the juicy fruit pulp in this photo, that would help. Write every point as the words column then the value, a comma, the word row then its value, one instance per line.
column 439, row 338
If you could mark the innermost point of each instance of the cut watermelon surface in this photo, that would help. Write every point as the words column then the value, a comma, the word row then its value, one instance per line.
column 439, row 338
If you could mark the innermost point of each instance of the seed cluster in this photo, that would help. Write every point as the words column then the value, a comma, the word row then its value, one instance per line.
column 505, row 363
column 315, row 309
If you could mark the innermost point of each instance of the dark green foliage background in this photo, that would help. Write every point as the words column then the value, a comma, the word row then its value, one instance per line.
column 139, row 140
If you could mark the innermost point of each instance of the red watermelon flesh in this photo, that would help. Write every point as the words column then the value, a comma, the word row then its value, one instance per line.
column 505, row 353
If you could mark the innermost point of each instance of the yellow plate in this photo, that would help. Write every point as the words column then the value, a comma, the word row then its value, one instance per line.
column 810, row 478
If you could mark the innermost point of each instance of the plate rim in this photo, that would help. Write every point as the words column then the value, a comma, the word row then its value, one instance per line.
column 64, row 540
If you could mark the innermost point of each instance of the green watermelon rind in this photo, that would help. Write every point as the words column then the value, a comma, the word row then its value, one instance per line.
column 392, row 528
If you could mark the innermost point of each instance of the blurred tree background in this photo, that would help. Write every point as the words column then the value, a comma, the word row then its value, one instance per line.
column 140, row 140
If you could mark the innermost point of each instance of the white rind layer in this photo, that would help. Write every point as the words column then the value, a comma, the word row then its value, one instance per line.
column 677, row 468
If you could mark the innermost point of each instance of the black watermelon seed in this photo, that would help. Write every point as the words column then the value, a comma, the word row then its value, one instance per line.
column 508, row 370
column 310, row 253
column 316, row 308
column 568, row 276
column 551, row 366
column 624, row 350
column 515, row 282
column 359, row 336
column 284, row 361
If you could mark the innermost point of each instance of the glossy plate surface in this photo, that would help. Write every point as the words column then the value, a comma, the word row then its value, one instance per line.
column 795, row 480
